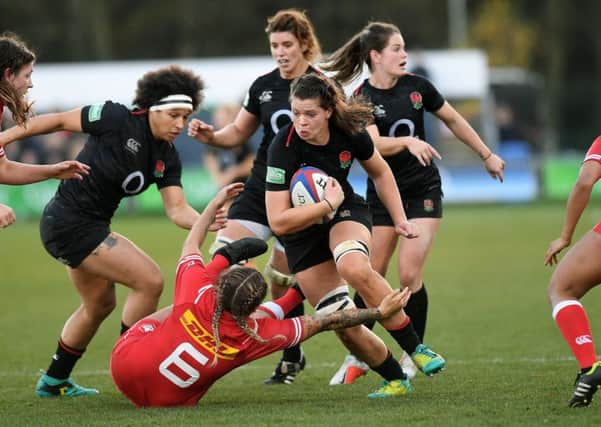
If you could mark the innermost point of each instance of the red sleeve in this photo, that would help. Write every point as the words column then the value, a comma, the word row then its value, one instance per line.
column 280, row 334
column 190, row 276
column 594, row 152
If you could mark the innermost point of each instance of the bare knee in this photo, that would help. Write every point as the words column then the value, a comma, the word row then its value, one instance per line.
column 101, row 307
column 561, row 290
column 151, row 284
column 410, row 277
column 358, row 275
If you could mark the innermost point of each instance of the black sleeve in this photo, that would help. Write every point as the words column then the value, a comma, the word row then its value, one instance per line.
column 97, row 119
column 433, row 100
column 364, row 146
column 172, row 174
column 251, row 102
column 281, row 161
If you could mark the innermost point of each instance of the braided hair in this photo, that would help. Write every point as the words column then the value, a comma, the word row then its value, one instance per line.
column 239, row 291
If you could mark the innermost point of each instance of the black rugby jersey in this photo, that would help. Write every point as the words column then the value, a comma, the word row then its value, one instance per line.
column 124, row 160
column 268, row 99
column 399, row 111
column 288, row 152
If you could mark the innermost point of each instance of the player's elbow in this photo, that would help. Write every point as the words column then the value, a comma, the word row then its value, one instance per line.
column 278, row 225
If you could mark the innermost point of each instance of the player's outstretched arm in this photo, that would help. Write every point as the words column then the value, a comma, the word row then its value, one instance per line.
column 232, row 135
column 45, row 123
column 213, row 215
column 390, row 305
column 16, row 173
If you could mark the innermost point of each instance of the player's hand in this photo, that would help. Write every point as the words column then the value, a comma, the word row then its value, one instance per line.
column 201, row 131
column 407, row 229
column 226, row 193
column 394, row 302
column 555, row 247
column 494, row 166
column 219, row 220
column 7, row 216
column 422, row 151
column 70, row 169
column 334, row 193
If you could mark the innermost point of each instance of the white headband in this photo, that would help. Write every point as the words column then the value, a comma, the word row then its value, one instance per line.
column 173, row 101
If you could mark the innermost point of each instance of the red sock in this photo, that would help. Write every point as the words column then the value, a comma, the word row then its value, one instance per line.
column 281, row 306
column 574, row 325
column 217, row 265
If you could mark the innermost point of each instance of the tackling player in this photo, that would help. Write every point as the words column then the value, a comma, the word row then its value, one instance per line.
column 216, row 324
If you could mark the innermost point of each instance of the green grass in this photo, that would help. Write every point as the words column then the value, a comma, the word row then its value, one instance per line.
column 507, row 363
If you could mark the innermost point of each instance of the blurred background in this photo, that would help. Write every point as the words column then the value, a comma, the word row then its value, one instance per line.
column 523, row 72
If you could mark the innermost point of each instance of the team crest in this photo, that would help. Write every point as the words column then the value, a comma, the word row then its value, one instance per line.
column 416, row 100
column 379, row 111
column 265, row 96
column 159, row 169
column 428, row 205
column 345, row 158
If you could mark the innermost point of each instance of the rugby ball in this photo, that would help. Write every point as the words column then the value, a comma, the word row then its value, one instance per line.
column 308, row 187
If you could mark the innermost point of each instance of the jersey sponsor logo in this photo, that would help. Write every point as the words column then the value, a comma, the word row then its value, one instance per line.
column 133, row 146
column 276, row 175
column 204, row 338
column 265, row 96
column 584, row 339
column 132, row 177
column 379, row 111
column 395, row 125
column 346, row 158
column 95, row 112
column 416, row 100
column 345, row 213
column 159, row 169
column 275, row 127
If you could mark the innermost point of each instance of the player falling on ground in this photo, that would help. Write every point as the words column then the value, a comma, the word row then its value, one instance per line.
column 216, row 323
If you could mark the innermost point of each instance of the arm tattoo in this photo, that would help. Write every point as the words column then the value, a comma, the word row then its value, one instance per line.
column 340, row 320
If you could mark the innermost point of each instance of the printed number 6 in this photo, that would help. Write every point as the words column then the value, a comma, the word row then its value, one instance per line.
column 175, row 359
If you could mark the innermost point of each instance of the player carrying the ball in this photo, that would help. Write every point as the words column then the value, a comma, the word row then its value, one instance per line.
column 329, row 133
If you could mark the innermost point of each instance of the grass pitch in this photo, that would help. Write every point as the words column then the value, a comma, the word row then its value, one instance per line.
column 507, row 363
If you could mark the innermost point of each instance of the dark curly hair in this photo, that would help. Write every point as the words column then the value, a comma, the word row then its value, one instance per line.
column 14, row 54
column 170, row 80
column 239, row 291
